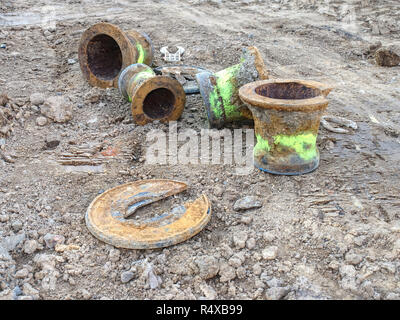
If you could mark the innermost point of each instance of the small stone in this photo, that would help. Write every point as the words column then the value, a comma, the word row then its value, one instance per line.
column 37, row 99
column 208, row 291
column 41, row 121
column 30, row 246
column 127, row 276
column 270, row 253
column 71, row 61
column 239, row 239
column 4, row 218
column 57, row 108
column 227, row 273
column 16, row 225
column 247, row 203
column 269, row 236
column 353, row 259
column 235, row 262
column 208, row 266
column 22, row 274
column 257, row 269
column 251, row 243
column 114, row 255
column 276, row 293
column 52, row 142
column 388, row 56
column 52, row 240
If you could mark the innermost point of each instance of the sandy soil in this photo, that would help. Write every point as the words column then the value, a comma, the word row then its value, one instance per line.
column 333, row 234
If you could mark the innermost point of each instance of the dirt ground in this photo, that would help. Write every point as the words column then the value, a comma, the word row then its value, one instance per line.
column 331, row 234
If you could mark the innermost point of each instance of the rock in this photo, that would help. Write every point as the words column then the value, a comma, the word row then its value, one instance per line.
column 348, row 275
column 304, row 289
column 274, row 282
column 127, row 276
column 36, row 99
column 114, row 255
column 153, row 280
column 3, row 99
column 22, row 274
column 276, row 293
column 251, row 243
column 393, row 296
column 208, row 266
column 52, row 240
column 247, row 203
column 227, row 273
column 27, row 289
column 30, row 246
column 52, row 142
column 269, row 236
column 239, row 239
column 11, row 242
column 4, row 218
column 388, row 56
column 16, row 225
column 208, row 291
column 235, row 262
column 41, row 121
column 57, row 108
column 257, row 269
column 353, row 259
column 270, row 253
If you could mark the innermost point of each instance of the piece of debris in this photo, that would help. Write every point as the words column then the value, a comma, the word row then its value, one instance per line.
column 37, row 99
column 71, row 61
column 4, row 99
column 108, row 223
column 339, row 120
column 247, row 203
column 57, row 108
column 172, row 57
column 6, row 158
column 41, row 121
column 3, row 46
column 186, row 75
column 388, row 56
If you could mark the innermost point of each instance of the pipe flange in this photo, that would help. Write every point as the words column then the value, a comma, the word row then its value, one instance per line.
column 106, row 216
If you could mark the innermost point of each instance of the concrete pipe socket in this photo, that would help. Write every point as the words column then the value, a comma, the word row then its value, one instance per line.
column 286, row 115
column 105, row 50
column 153, row 97
column 220, row 91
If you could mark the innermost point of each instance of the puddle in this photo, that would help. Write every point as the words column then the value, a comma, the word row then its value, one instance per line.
column 91, row 169
column 49, row 15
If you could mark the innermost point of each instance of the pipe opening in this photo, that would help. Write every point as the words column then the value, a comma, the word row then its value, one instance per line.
column 159, row 103
column 104, row 57
column 287, row 91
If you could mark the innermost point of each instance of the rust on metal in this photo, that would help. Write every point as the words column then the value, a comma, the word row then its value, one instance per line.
column 106, row 217
column 105, row 50
column 153, row 97
column 220, row 91
column 287, row 116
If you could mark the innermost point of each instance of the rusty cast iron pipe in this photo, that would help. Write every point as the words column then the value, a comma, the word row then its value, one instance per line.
column 105, row 50
column 220, row 91
column 153, row 97
column 286, row 115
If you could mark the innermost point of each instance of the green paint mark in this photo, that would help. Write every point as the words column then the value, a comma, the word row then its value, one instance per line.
column 303, row 144
column 262, row 146
column 223, row 92
column 142, row 53
column 141, row 76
